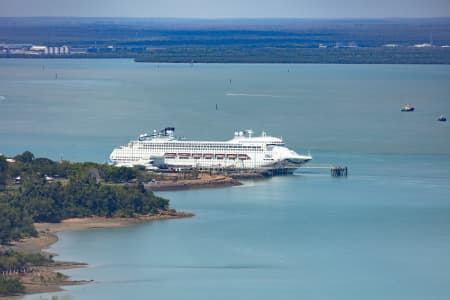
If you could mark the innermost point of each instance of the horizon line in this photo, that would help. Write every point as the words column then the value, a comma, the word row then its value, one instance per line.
column 229, row 18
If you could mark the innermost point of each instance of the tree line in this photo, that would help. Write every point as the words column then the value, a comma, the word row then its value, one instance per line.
column 27, row 164
column 81, row 190
column 12, row 262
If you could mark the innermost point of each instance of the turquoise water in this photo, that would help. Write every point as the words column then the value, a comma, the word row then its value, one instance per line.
column 95, row 105
column 381, row 233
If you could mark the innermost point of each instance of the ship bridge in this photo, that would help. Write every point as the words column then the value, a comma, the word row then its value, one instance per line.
column 247, row 137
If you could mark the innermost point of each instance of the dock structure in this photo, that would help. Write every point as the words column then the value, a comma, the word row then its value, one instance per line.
column 240, row 173
column 335, row 171
column 339, row 171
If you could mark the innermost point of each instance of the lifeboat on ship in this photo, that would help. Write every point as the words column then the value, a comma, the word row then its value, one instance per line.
column 208, row 156
column 231, row 156
column 184, row 155
column 243, row 156
column 170, row 155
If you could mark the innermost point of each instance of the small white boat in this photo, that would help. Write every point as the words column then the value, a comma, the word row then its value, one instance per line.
column 442, row 118
column 408, row 107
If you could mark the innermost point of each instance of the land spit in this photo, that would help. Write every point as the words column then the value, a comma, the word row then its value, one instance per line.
column 46, row 279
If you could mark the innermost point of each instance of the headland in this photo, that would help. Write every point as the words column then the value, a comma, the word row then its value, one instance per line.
column 40, row 198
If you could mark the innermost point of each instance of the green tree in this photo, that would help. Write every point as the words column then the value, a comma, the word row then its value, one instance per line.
column 10, row 286
column 45, row 166
column 81, row 195
column 14, row 223
column 3, row 171
column 25, row 157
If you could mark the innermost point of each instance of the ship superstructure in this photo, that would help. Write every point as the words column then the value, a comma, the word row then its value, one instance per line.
column 243, row 151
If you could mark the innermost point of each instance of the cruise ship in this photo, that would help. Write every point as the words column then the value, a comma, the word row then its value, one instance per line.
column 244, row 151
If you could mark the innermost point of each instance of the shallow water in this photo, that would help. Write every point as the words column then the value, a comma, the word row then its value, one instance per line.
column 374, row 235
column 381, row 233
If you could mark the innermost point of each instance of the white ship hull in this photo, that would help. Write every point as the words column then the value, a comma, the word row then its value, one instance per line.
column 253, row 162
column 241, row 152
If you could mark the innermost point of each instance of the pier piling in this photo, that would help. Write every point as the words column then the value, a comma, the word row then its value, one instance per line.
column 339, row 171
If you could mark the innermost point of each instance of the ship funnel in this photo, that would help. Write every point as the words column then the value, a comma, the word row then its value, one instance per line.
column 169, row 131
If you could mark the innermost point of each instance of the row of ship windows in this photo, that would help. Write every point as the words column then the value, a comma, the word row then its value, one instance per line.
column 210, row 158
column 187, row 156
column 123, row 158
column 140, row 150
column 199, row 147
column 181, row 157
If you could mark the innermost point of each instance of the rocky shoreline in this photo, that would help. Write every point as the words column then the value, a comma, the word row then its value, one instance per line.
column 171, row 183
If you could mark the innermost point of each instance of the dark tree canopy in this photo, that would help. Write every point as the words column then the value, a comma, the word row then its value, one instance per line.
column 25, row 157
column 3, row 171
column 10, row 286
column 82, row 190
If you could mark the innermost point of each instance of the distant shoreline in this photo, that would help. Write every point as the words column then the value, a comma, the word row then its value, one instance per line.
column 235, row 40
column 48, row 236
column 271, row 55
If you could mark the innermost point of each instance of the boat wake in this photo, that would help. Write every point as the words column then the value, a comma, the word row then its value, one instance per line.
column 255, row 95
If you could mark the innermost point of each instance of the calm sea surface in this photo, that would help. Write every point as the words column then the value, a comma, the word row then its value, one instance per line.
column 381, row 233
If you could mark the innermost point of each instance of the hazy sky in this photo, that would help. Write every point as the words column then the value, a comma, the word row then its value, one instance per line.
column 227, row 8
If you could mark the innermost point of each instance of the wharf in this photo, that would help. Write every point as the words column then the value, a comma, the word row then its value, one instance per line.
column 335, row 171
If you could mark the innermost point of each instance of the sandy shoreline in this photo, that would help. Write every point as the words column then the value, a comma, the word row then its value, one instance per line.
column 48, row 279
column 103, row 222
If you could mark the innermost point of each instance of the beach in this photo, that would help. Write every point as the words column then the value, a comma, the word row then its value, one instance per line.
column 47, row 279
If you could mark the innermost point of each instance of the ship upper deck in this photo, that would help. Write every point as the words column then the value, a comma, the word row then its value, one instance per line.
column 240, row 137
